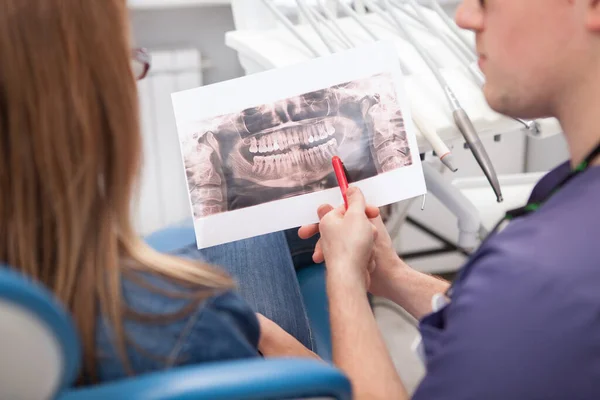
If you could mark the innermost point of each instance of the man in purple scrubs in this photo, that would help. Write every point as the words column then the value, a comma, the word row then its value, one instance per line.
column 522, row 320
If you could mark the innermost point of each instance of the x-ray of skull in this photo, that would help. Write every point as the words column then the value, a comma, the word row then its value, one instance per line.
column 284, row 148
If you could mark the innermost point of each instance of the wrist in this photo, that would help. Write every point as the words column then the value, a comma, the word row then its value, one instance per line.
column 387, row 255
column 346, row 277
column 396, row 274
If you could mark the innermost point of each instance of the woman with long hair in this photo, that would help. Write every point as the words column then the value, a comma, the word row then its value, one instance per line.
column 70, row 155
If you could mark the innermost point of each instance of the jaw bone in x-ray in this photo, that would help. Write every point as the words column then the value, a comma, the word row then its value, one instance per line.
column 284, row 148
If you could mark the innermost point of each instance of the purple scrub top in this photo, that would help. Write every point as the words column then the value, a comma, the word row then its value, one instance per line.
column 524, row 316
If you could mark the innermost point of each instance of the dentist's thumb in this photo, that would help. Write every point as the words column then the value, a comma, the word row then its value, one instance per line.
column 357, row 206
column 356, row 200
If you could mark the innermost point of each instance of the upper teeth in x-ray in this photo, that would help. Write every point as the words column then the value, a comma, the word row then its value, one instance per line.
column 285, row 147
column 288, row 138
column 313, row 158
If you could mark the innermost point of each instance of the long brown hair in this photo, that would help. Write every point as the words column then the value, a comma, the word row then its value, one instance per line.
column 70, row 152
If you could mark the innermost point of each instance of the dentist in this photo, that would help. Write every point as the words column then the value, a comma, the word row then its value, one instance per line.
column 522, row 320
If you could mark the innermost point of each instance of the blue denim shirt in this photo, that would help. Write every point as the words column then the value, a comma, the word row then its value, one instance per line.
column 223, row 327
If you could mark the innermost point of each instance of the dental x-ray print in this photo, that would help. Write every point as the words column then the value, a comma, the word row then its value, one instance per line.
column 257, row 150
column 284, row 148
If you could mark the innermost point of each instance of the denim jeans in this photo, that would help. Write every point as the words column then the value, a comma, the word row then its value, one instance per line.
column 300, row 249
column 264, row 268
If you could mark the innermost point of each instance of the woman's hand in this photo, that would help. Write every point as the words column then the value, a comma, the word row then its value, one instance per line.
column 276, row 342
column 347, row 239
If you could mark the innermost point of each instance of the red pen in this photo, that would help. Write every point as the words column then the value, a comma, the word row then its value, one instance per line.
column 338, row 168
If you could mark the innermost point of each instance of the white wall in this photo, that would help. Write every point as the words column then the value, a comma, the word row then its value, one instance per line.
column 199, row 33
column 200, row 27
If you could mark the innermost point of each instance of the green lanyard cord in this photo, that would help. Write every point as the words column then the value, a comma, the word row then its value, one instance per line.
column 532, row 207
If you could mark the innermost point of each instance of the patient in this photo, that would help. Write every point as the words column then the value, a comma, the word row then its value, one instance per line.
column 70, row 155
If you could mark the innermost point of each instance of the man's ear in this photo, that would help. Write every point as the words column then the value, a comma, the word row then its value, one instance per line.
column 593, row 15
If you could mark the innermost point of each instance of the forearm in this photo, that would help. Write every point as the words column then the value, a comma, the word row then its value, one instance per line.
column 413, row 290
column 358, row 347
column 276, row 342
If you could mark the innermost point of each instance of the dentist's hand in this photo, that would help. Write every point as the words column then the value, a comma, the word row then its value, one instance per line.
column 347, row 239
column 308, row 231
column 385, row 263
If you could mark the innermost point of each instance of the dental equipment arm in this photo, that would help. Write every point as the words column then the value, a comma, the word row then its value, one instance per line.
column 374, row 7
column 315, row 25
column 333, row 20
column 470, row 64
column 405, row 68
column 356, row 18
column 410, row 13
column 461, row 118
column 469, row 221
column 450, row 24
column 333, row 27
column 286, row 22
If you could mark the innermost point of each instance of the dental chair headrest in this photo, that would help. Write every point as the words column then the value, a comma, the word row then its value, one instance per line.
column 39, row 346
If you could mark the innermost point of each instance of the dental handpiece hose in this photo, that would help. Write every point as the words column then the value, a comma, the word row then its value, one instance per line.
column 290, row 27
column 315, row 25
column 461, row 119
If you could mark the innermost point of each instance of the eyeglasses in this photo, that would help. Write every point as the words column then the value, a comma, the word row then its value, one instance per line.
column 140, row 63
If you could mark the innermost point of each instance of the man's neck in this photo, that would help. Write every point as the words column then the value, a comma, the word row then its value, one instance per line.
column 579, row 115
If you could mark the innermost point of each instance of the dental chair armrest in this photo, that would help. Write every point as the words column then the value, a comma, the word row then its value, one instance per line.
column 242, row 379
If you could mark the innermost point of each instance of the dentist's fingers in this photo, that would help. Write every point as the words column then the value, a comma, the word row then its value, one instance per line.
column 318, row 256
column 308, row 231
column 324, row 210
column 372, row 212
column 372, row 266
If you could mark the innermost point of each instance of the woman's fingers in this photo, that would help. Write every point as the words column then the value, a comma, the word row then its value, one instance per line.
column 308, row 231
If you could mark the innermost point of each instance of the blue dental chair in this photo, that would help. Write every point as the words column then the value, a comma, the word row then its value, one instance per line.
column 40, row 353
